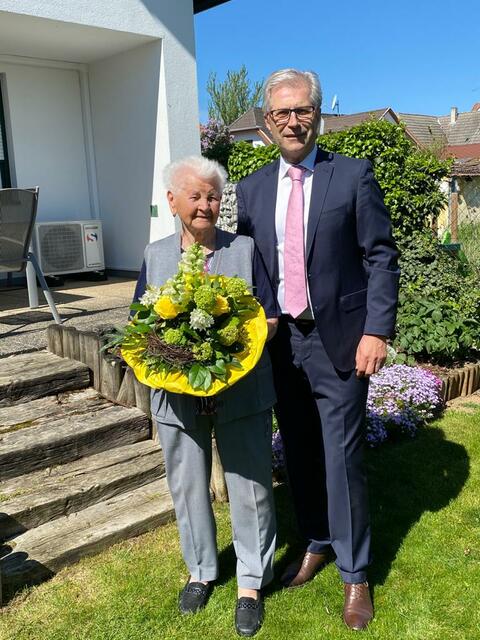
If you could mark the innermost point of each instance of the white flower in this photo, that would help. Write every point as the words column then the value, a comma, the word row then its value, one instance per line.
column 151, row 295
column 200, row 319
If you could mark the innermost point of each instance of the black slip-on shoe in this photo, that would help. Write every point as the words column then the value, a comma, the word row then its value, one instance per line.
column 248, row 616
column 194, row 596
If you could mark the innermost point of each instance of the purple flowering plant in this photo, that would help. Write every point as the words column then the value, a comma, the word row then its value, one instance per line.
column 400, row 398
column 215, row 141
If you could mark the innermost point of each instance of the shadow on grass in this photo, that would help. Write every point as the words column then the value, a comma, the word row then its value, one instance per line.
column 407, row 478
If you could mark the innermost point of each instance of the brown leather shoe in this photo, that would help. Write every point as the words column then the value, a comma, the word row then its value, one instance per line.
column 358, row 608
column 304, row 568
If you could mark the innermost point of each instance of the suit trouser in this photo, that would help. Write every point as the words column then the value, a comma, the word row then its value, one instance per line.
column 245, row 449
column 321, row 417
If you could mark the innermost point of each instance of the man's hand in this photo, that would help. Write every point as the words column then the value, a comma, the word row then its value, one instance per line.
column 371, row 355
column 272, row 325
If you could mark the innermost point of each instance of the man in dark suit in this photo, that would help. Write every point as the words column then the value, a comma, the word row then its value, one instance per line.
column 320, row 223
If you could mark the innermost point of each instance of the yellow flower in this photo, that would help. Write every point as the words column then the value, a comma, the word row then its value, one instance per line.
column 166, row 309
column 221, row 306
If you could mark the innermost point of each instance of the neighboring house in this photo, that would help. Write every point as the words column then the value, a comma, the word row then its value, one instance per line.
column 334, row 123
column 251, row 127
column 456, row 136
column 96, row 97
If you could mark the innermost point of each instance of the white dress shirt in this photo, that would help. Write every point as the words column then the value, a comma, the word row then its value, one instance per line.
column 283, row 193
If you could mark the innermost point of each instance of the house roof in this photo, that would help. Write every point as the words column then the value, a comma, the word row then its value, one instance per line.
column 338, row 123
column 426, row 129
column 465, row 130
column 251, row 119
column 202, row 5
column 466, row 167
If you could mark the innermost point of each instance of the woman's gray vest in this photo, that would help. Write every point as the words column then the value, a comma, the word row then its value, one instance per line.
column 254, row 393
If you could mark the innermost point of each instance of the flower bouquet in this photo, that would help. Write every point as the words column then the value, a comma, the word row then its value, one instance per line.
column 197, row 334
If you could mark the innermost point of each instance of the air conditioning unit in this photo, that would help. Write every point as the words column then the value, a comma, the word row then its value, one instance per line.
column 69, row 247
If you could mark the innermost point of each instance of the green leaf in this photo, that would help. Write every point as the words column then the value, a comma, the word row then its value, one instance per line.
column 207, row 381
column 138, row 306
column 139, row 328
column 197, row 375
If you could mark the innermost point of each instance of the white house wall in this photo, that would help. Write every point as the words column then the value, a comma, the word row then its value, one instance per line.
column 124, row 99
column 47, row 138
column 143, row 108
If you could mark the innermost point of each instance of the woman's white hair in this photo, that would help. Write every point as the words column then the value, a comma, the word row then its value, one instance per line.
column 208, row 170
column 293, row 77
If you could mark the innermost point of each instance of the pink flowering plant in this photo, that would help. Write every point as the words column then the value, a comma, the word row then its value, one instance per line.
column 401, row 398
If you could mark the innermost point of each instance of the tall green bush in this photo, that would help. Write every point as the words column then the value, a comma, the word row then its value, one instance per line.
column 245, row 159
column 409, row 178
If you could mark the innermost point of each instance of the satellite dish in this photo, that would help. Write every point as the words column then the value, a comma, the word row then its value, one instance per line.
column 334, row 102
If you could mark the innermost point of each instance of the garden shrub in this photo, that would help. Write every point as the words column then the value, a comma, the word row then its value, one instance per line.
column 439, row 303
column 245, row 159
column 409, row 177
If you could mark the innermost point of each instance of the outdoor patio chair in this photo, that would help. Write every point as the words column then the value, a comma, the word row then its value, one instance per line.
column 18, row 210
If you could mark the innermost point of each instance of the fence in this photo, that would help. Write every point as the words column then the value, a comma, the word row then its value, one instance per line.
column 464, row 217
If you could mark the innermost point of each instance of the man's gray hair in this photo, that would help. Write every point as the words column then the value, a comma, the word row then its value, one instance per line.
column 293, row 77
column 208, row 170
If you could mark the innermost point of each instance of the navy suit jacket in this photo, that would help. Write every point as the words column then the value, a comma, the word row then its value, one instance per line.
column 351, row 257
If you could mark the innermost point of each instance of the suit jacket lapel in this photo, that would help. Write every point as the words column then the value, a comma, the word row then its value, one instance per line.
column 268, row 202
column 322, row 175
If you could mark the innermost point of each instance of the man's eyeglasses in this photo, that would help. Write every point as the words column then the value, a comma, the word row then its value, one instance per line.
column 282, row 116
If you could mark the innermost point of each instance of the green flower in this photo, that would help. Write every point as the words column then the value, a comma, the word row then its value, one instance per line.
column 203, row 351
column 228, row 334
column 193, row 260
column 173, row 336
column 236, row 287
column 205, row 297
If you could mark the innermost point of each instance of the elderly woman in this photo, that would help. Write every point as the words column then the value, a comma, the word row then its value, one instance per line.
column 240, row 416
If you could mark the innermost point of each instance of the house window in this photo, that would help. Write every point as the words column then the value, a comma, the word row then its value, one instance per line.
column 4, row 168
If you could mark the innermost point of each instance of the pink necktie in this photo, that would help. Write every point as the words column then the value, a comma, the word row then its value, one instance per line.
column 294, row 249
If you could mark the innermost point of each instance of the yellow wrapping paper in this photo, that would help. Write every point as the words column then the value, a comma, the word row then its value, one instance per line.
column 255, row 325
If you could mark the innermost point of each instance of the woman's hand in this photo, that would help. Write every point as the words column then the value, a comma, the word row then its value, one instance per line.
column 272, row 325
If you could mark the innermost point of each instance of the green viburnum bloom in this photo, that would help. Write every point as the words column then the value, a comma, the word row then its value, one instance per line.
column 203, row 351
column 205, row 297
column 236, row 287
column 173, row 336
column 228, row 334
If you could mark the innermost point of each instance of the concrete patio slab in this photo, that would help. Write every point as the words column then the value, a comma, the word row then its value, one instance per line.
column 81, row 304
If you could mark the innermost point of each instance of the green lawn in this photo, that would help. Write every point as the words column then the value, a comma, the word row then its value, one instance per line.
column 426, row 572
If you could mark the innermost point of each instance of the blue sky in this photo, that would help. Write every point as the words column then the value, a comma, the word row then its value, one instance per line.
column 416, row 56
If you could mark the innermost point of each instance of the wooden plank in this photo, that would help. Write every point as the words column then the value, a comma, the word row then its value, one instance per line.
column 126, row 394
column 29, row 376
column 217, row 479
column 43, row 410
column 30, row 501
column 41, row 552
column 70, row 341
column 65, row 439
column 111, row 372
column 54, row 339
column 142, row 397
column 91, row 345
